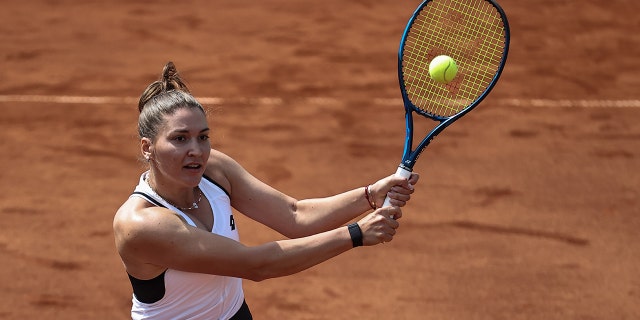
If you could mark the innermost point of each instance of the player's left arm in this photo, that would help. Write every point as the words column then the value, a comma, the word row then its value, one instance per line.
column 296, row 218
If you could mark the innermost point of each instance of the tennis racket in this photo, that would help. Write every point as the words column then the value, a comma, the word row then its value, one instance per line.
column 475, row 33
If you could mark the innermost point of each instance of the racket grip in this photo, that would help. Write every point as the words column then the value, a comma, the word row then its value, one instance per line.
column 402, row 172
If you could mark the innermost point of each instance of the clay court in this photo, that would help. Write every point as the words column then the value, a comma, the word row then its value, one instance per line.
column 527, row 208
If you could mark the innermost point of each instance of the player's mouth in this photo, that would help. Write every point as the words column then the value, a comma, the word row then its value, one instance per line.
column 193, row 166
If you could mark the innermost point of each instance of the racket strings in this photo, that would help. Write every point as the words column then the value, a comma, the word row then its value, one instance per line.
column 472, row 33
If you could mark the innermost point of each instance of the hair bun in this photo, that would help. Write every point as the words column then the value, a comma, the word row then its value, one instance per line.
column 171, row 80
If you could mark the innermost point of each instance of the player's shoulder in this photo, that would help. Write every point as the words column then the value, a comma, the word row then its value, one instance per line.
column 220, row 159
column 142, row 233
column 223, row 169
column 138, row 219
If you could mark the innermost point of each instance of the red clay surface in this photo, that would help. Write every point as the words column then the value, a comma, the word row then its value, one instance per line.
column 522, row 212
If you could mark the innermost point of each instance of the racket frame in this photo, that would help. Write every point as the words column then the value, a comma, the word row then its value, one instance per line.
column 409, row 155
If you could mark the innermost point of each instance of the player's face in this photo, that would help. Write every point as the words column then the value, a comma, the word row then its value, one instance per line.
column 182, row 147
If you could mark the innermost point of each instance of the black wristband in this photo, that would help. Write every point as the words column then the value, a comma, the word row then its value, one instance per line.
column 356, row 234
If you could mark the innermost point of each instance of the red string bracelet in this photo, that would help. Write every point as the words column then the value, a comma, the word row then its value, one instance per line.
column 367, row 194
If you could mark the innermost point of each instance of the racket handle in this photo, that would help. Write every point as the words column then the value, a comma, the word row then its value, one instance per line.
column 402, row 172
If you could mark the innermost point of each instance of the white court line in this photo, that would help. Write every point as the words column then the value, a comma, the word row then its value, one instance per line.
column 542, row 103
column 67, row 99
column 550, row 103
column 563, row 103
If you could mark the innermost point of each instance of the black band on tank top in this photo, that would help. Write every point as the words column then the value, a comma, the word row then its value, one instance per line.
column 150, row 199
column 243, row 314
column 148, row 291
column 218, row 185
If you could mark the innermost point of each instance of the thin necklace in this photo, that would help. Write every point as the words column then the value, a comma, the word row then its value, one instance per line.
column 193, row 206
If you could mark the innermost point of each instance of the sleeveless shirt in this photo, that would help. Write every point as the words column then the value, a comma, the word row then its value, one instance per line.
column 190, row 295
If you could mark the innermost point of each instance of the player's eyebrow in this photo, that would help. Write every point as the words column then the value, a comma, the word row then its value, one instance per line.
column 187, row 131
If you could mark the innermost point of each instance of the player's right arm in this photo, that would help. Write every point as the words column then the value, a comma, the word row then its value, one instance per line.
column 295, row 218
column 152, row 239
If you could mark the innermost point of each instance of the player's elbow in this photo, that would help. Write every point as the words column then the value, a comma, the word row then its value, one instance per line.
column 295, row 233
column 303, row 222
column 261, row 273
column 267, row 265
column 257, row 277
column 295, row 225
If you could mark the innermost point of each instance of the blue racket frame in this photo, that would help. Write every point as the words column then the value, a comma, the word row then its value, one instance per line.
column 410, row 156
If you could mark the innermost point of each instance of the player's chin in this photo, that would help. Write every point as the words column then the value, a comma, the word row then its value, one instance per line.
column 193, row 173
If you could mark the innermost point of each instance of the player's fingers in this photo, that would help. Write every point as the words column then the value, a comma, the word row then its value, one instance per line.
column 413, row 179
column 391, row 214
column 399, row 182
column 397, row 203
column 401, row 190
column 397, row 214
column 388, row 234
column 379, row 227
column 399, row 199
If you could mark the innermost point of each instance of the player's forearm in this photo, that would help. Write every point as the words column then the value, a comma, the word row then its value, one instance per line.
column 282, row 258
column 322, row 214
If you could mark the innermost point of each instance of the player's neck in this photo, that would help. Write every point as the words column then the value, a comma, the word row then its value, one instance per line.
column 184, row 198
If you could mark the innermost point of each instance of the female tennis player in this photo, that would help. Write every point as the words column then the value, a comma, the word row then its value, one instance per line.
column 176, row 234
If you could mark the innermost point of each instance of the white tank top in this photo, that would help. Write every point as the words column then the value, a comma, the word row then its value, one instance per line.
column 195, row 295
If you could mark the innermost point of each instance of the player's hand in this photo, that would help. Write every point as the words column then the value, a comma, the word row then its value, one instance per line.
column 398, row 189
column 379, row 226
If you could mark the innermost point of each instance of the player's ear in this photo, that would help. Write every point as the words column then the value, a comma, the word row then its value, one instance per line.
column 146, row 147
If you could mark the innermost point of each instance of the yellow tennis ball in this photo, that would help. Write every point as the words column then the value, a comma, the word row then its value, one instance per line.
column 443, row 69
